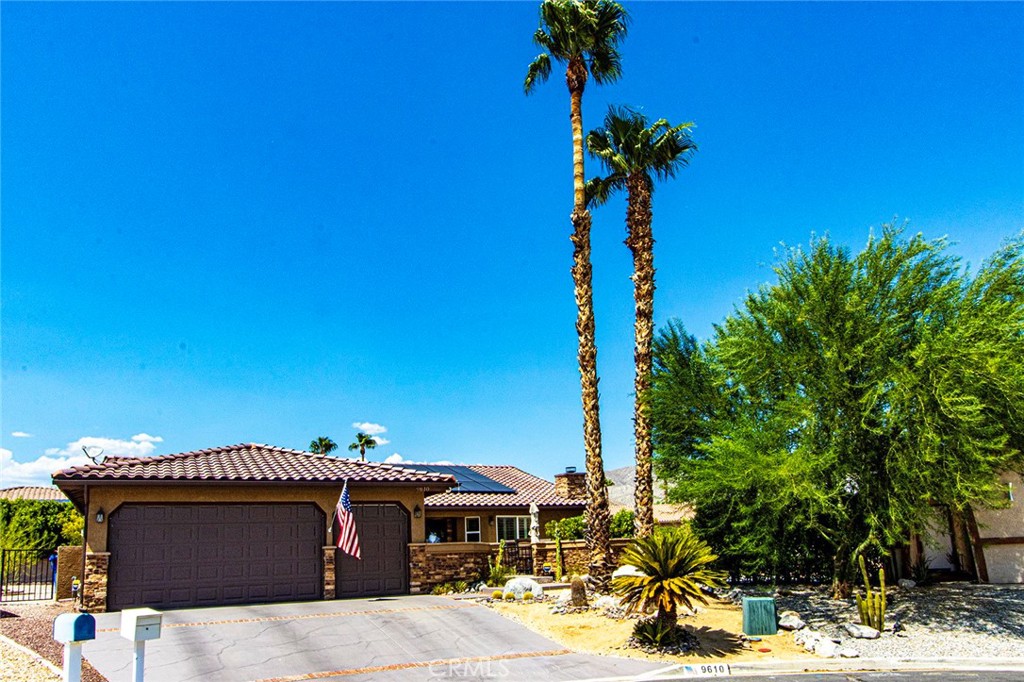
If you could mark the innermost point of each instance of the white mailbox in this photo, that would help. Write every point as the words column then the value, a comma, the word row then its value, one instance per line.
column 140, row 625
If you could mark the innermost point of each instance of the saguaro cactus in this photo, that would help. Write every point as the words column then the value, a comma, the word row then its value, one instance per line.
column 872, row 605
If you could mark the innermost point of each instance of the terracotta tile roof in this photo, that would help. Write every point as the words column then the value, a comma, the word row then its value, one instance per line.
column 35, row 492
column 528, row 488
column 247, row 462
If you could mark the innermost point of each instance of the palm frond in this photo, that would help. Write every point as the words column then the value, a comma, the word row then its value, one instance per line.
column 537, row 72
column 600, row 190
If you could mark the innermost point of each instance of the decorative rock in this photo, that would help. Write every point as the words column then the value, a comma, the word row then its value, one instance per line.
column 790, row 620
column 861, row 631
column 826, row 648
column 906, row 582
column 578, row 590
column 518, row 586
column 627, row 570
column 606, row 602
column 847, row 652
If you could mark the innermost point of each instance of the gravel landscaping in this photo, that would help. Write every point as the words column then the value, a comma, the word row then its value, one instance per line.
column 950, row 620
column 31, row 625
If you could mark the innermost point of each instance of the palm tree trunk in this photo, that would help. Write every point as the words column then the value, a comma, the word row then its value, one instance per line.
column 598, row 533
column 640, row 241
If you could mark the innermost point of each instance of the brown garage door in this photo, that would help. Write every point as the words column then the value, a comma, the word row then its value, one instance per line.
column 177, row 555
column 384, row 542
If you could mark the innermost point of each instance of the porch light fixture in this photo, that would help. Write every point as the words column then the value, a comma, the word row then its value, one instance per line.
column 100, row 515
column 417, row 512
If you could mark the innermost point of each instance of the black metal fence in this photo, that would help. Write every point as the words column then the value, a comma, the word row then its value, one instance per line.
column 27, row 574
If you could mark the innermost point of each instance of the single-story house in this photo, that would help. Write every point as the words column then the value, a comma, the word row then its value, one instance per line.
column 253, row 523
column 493, row 503
column 665, row 513
column 33, row 492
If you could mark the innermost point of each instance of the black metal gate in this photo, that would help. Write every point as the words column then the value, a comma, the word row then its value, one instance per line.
column 27, row 574
column 518, row 557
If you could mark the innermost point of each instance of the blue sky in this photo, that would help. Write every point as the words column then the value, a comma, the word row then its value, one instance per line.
column 229, row 222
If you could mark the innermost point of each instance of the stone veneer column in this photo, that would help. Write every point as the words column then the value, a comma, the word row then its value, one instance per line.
column 571, row 485
column 329, row 554
column 417, row 568
column 94, row 586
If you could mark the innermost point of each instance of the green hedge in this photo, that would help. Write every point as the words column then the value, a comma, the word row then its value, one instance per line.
column 39, row 524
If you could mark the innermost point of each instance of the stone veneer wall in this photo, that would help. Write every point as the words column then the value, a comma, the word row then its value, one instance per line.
column 329, row 554
column 431, row 564
column 69, row 565
column 94, row 587
column 575, row 558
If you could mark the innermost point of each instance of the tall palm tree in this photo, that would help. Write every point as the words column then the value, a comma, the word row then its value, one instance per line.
column 322, row 445
column 363, row 443
column 634, row 153
column 584, row 35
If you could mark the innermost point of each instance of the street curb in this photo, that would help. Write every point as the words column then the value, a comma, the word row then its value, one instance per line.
column 876, row 664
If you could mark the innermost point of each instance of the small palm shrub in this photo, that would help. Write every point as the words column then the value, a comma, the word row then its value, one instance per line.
column 497, row 595
column 655, row 632
column 674, row 567
column 460, row 586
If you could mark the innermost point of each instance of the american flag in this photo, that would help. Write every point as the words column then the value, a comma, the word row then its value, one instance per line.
column 348, row 540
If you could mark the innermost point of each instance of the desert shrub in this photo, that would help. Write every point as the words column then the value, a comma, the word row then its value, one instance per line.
column 443, row 588
column 622, row 524
column 674, row 568
column 460, row 586
column 655, row 632
column 509, row 596
column 527, row 596
column 497, row 594
column 571, row 528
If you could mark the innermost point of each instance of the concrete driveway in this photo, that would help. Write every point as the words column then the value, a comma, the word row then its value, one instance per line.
column 399, row 638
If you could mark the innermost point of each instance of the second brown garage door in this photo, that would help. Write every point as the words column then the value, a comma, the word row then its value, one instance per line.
column 178, row 555
column 384, row 542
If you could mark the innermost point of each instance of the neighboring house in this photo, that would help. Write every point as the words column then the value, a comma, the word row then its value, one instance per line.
column 493, row 503
column 253, row 523
column 242, row 524
column 36, row 492
column 987, row 544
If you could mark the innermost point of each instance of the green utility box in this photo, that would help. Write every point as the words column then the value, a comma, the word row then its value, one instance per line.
column 759, row 617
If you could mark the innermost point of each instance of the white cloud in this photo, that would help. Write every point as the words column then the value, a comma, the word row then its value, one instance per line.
column 21, row 434
column 146, row 438
column 398, row 459
column 381, row 441
column 37, row 472
column 140, row 445
column 369, row 428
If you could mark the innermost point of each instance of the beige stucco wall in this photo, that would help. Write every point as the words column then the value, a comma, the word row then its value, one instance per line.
column 110, row 497
column 1008, row 522
column 1005, row 562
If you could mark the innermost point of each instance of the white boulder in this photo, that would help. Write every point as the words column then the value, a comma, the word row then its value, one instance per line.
column 790, row 620
column 519, row 586
column 627, row 570
column 861, row 631
column 826, row 648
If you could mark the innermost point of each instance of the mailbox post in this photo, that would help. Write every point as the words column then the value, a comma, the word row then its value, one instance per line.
column 71, row 629
column 140, row 626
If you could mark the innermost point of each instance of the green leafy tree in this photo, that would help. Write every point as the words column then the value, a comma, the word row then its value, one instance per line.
column 584, row 35
column 859, row 393
column 39, row 524
column 363, row 443
column 322, row 445
column 635, row 152
column 674, row 567
column 569, row 528
column 623, row 524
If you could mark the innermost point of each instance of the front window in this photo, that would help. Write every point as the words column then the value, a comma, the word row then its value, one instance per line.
column 472, row 529
column 513, row 527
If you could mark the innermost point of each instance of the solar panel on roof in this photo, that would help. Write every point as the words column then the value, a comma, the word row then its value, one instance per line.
column 469, row 481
